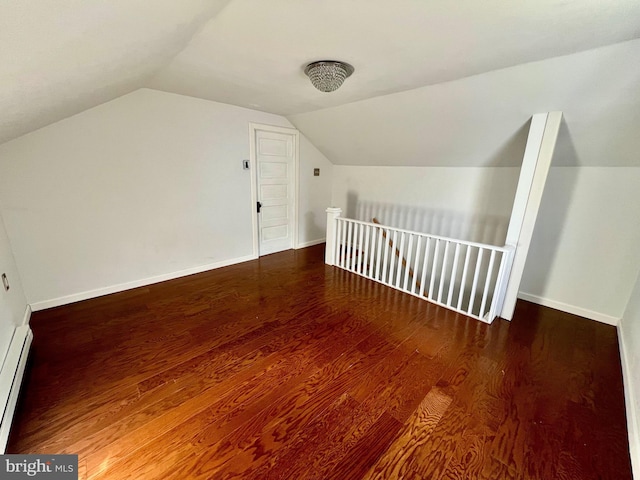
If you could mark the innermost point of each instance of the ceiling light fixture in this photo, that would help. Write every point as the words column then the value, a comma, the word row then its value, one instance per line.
column 328, row 75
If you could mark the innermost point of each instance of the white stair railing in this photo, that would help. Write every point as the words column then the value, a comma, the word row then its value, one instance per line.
column 466, row 277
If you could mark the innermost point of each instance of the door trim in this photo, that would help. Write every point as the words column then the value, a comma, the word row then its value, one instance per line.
column 253, row 168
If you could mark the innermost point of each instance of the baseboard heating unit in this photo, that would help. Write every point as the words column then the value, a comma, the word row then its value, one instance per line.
column 11, row 378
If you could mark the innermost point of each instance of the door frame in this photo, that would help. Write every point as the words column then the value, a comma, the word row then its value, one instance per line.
column 253, row 169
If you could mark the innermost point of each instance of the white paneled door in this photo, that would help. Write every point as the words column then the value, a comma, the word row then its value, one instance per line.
column 276, row 187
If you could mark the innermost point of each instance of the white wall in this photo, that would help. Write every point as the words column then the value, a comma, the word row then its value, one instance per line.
column 141, row 188
column 468, row 203
column 584, row 256
column 629, row 337
column 482, row 120
column 315, row 194
column 13, row 303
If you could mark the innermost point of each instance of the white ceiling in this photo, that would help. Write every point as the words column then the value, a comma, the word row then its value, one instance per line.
column 59, row 58
column 482, row 120
column 253, row 53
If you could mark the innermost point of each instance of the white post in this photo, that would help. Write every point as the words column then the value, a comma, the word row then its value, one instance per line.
column 538, row 153
column 330, row 253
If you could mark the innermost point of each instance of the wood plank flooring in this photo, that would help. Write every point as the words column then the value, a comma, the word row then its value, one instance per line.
column 284, row 368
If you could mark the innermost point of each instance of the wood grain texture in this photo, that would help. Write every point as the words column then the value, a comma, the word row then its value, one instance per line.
column 284, row 368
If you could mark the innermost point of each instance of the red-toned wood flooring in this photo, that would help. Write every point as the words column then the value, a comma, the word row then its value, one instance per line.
column 286, row 368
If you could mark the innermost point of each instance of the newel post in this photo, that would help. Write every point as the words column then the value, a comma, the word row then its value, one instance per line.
column 332, row 220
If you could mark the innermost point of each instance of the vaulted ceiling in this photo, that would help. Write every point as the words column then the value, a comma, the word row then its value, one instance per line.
column 62, row 57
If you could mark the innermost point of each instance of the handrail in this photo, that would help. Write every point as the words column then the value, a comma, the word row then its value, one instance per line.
column 505, row 248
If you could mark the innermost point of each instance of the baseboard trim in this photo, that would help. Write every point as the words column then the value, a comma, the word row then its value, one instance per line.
column 27, row 315
column 633, row 428
column 311, row 243
column 99, row 292
column 565, row 307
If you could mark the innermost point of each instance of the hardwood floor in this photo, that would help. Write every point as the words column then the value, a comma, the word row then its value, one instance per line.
column 285, row 368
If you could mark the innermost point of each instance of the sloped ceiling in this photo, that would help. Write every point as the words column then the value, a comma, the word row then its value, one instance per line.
column 59, row 58
column 254, row 52
column 482, row 120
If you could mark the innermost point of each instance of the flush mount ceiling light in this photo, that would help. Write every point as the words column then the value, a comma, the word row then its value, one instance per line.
column 328, row 75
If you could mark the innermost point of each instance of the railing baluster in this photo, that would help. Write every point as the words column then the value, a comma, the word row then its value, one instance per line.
column 475, row 281
column 386, row 257
column 360, row 246
column 487, row 283
column 433, row 269
column 343, row 240
column 393, row 257
column 350, row 246
column 356, row 247
column 354, row 242
column 425, row 264
column 359, row 250
column 414, row 281
column 465, row 268
column 359, row 256
column 400, row 254
column 443, row 273
column 407, row 261
column 372, row 253
column 338, row 247
column 452, row 283
column 365, row 254
column 345, row 255
column 338, row 241
column 379, row 262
